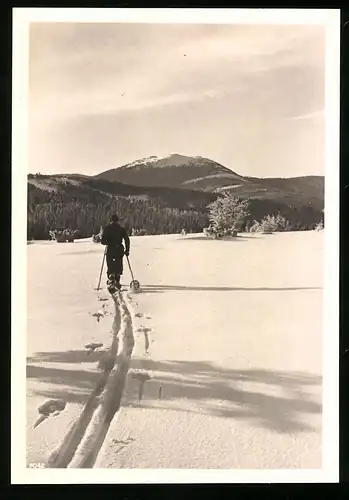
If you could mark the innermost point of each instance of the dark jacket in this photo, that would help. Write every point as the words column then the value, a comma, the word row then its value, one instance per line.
column 113, row 235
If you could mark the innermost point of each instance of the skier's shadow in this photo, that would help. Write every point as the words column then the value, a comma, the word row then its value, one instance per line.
column 164, row 288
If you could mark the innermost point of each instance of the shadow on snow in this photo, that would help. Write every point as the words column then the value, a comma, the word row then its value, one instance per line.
column 208, row 389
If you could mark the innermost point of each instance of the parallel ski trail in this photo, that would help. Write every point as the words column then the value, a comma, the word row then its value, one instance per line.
column 81, row 445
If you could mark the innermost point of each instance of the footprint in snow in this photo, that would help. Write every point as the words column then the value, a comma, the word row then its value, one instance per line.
column 93, row 346
column 142, row 377
column 98, row 315
column 123, row 442
column 51, row 407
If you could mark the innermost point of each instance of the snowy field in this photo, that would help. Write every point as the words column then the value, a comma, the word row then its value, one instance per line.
column 229, row 331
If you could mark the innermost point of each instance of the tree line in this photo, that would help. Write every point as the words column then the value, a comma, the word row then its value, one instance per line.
column 142, row 215
column 137, row 215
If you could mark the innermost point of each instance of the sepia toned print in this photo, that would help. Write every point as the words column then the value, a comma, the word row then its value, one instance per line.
column 175, row 246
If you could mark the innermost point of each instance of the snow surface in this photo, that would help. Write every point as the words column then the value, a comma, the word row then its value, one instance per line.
column 234, row 329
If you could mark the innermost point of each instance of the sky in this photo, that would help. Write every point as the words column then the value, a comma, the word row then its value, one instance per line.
column 250, row 97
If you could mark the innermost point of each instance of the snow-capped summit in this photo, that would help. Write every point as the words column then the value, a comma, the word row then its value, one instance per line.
column 174, row 170
column 168, row 160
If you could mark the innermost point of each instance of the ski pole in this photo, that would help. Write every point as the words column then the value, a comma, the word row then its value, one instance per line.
column 100, row 275
column 129, row 265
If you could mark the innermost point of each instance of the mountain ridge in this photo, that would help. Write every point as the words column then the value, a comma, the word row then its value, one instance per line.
column 165, row 198
column 173, row 170
column 199, row 174
column 181, row 177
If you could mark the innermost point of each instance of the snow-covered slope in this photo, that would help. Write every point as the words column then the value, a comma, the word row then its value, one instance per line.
column 175, row 170
column 197, row 173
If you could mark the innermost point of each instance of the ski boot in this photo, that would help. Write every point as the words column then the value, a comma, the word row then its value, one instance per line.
column 113, row 284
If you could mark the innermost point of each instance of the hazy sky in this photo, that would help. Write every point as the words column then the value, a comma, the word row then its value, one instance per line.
column 249, row 97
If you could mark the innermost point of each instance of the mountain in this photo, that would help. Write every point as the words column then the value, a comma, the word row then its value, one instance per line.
column 175, row 171
column 163, row 195
column 196, row 173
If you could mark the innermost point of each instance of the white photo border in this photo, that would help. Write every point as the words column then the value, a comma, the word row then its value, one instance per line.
column 22, row 17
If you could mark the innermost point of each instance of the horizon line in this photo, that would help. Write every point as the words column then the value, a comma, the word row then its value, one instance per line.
column 99, row 173
column 177, row 154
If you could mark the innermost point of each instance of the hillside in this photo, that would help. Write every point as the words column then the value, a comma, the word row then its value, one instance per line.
column 166, row 195
column 201, row 174
column 56, row 201
column 92, row 188
column 175, row 171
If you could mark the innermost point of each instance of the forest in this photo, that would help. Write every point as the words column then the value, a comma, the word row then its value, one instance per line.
column 51, row 210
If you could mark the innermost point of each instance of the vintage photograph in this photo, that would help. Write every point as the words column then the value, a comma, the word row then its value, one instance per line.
column 175, row 245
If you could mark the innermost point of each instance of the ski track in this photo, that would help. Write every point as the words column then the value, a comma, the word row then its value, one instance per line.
column 82, row 444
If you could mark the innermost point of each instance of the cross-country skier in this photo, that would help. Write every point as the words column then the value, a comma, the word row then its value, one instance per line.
column 113, row 235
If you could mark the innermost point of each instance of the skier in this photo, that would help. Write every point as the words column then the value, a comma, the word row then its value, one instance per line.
column 112, row 236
